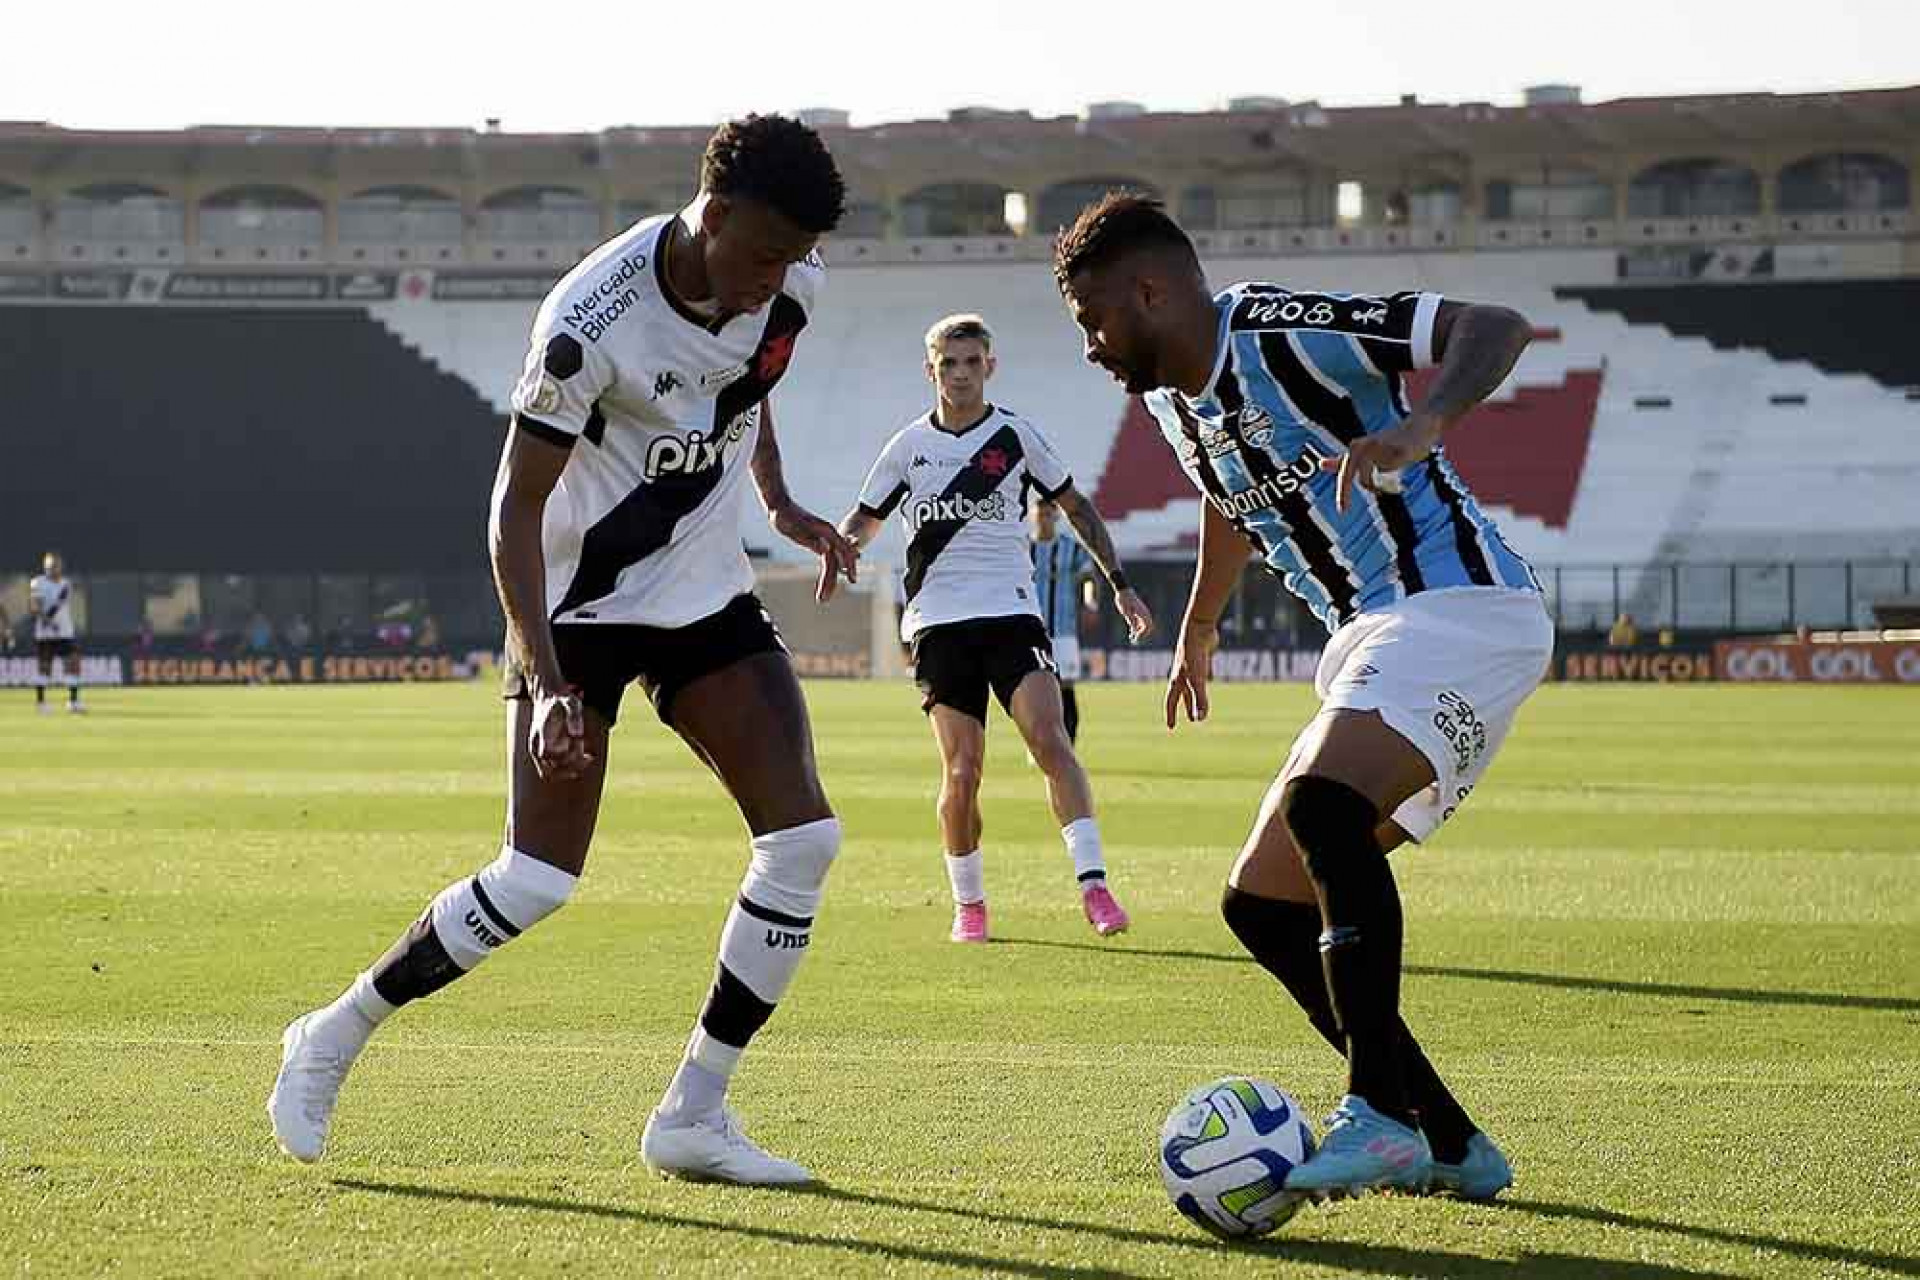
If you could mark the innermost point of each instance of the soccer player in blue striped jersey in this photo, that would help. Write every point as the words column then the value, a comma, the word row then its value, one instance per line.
column 1289, row 411
column 1062, row 582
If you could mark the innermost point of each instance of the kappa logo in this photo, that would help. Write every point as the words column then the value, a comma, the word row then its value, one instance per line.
column 666, row 384
column 1372, row 315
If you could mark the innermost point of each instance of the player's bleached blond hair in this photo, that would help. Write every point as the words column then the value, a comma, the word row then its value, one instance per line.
column 961, row 324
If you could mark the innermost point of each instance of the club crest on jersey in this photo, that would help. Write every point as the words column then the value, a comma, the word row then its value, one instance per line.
column 993, row 462
column 671, row 455
column 774, row 354
column 1256, row 426
column 958, row 507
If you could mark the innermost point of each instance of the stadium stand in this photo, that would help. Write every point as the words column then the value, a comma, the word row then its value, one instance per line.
column 221, row 438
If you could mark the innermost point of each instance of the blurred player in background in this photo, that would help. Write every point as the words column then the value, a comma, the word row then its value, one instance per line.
column 1289, row 412
column 1063, row 575
column 616, row 550
column 960, row 475
column 50, row 597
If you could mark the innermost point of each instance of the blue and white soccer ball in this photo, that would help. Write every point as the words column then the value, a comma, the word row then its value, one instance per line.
column 1226, row 1151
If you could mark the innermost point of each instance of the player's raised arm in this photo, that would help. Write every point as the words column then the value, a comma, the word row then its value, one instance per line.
column 838, row 557
column 1224, row 551
column 530, row 467
column 1093, row 534
column 1475, row 346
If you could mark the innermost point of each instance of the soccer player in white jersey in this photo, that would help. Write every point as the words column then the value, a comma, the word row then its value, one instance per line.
column 960, row 475
column 1288, row 410
column 50, row 596
column 617, row 553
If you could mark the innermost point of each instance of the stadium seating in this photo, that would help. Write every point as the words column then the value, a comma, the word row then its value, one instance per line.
column 257, row 439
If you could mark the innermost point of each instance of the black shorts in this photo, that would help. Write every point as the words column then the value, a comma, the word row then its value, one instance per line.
column 601, row 659
column 48, row 650
column 957, row 662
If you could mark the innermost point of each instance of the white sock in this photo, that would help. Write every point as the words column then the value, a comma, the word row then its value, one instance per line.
column 351, row 1019
column 699, row 1087
column 1083, row 845
column 766, row 935
column 967, row 877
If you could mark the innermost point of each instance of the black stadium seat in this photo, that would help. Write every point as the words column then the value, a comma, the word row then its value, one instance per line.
column 243, row 440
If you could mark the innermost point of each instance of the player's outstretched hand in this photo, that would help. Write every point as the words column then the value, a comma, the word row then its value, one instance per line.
column 558, row 742
column 1134, row 610
column 1375, row 462
column 839, row 557
column 1192, row 665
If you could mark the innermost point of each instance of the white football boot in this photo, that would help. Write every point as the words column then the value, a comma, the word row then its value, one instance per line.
column 301, row 1104
column 714, row 1150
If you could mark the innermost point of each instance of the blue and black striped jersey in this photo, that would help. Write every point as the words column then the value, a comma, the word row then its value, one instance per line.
column 1297, row 376
column 1059, row 564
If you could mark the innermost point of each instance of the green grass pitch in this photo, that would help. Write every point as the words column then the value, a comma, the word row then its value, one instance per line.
column 1669, row 955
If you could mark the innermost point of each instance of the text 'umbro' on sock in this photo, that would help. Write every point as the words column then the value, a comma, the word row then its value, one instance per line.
column 466, row 923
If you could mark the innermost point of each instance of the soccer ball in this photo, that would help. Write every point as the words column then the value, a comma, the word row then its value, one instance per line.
column 1226, row 1150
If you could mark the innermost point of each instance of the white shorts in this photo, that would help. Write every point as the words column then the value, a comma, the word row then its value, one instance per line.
column 1448, row 671
column 1066, row 658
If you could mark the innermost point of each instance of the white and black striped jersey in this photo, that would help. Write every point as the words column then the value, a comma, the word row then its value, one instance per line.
column 661, row 409
column 964, row 497
column 52, row 604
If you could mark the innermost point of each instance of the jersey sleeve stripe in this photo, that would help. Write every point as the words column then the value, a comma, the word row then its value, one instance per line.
column 544, row 431
column 1050, row 494
column 886, row 508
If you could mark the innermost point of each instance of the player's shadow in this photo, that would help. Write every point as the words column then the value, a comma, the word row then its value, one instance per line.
column 1340, row 1256
column 1897, row 1264
column 1562, row 982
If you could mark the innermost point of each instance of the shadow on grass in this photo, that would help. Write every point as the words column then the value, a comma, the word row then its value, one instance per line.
column 1810, row 1250
column 1344, row 1257
column 1562, row 982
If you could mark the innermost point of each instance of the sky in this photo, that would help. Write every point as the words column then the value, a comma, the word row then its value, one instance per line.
column 563, row 65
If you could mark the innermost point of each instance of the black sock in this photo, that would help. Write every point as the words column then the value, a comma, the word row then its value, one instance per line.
column 40, row 694
column 73, row 693
column 415, row 966
column 1284, row 938
column 1333, row 827
column 1071, row 706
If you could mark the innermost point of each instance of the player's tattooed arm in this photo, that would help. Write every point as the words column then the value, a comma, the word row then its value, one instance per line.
column 839, row 558
column 1476, row 346
column 1092, row 531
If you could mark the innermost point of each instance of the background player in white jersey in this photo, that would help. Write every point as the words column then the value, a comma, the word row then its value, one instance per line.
column 960, row 474
column 1062, row 584
column 1285, row 408
column 50, row 596
column 617, row 554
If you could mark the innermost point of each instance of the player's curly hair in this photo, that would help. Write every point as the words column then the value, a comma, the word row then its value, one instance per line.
column 779, row 162
column 1112, row 225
